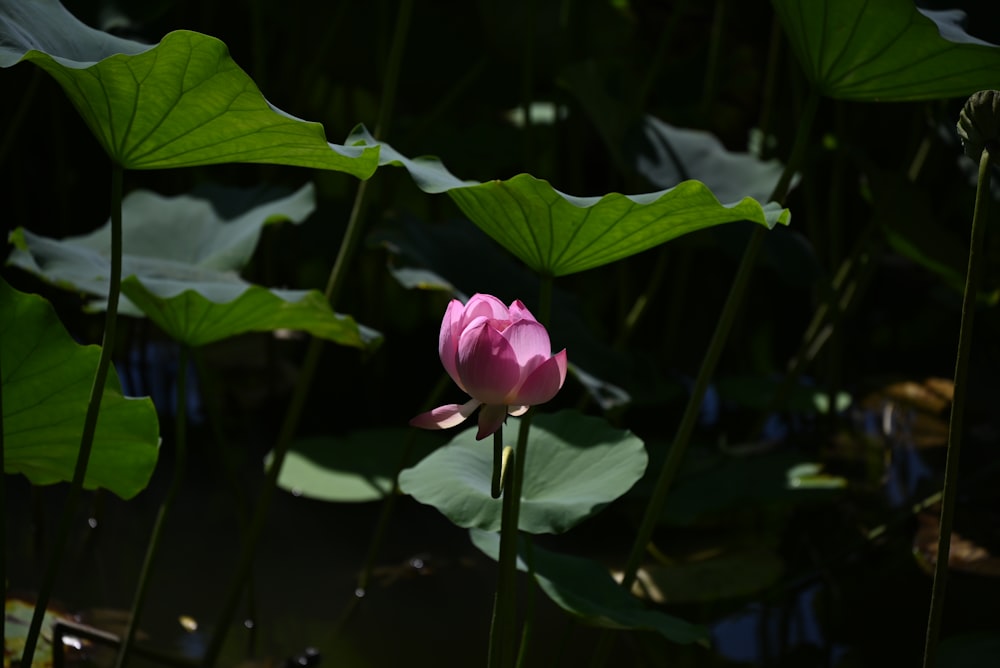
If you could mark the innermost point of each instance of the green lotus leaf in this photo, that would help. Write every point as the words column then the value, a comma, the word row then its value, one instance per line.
column 576, row 465
column 557, row 234
column 888, row 50
column 181, row 259
column 585, row 589
column 351, row 468
column 179, row 103
column 46, row 388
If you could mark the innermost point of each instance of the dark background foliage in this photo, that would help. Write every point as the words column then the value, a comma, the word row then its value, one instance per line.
column 467, row 67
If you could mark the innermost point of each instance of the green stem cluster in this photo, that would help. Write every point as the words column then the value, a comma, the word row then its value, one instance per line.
column 348, row 247
column 89, row 425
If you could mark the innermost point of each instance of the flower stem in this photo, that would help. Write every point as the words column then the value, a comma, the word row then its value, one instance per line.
column 180, row 459
column 89, row 424
column 502, row 645
column 348, row 246
column 949, row 492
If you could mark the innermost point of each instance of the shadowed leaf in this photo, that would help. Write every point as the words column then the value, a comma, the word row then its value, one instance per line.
column 46, row 388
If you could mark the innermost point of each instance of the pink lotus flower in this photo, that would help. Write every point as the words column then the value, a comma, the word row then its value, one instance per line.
column 499, row 356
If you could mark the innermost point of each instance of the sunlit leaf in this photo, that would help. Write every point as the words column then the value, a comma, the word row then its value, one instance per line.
column 585, row 589
column 558, row 234
column 576, row 465
column 179, row 103
column 195, row 319
column 886, row 50
column 180, row 259
column 356, row 467
column 46, row 388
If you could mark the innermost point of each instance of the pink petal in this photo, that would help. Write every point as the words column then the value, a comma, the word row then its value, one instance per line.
column 448, row 339
column 491, row 418
column 517, row 410
column 543, row 383
column 518, row 311
column 445, row 417
column 486, row 363
column 486, row 306
column 530, row 342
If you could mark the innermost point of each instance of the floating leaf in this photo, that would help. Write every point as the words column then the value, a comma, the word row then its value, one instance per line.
column 356, row 467
column 557, row 234
column 710, row 577
column 179, row 103
column 886, row 50
column 18, row 614
column 46, row 389
column 576, row 465
column 180, row 258
column 584, row 588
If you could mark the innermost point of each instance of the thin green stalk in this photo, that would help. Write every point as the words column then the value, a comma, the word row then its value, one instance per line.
column 89, row 423
column 950, row 491
column 152, row 550
column 352, row 236
column 678, row 448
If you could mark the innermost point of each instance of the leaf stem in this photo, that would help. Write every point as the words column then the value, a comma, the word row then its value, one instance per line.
column 352, row 235
column 180, row 460
column 734, row 300
column 949, row 492
column 89, row 424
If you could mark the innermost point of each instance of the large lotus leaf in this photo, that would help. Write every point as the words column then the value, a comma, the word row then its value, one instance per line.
column 354, row 467
column 585, row 589
column 576, row 465
column 46, row 389
column 886, row 50
column 558, row 234
column 179, row 103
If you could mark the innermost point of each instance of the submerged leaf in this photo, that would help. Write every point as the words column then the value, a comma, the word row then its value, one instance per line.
column 585, row 589
column 179, row 103
column 557, row 234
column 46, row 389
column 575, row 466
column 886, row 50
